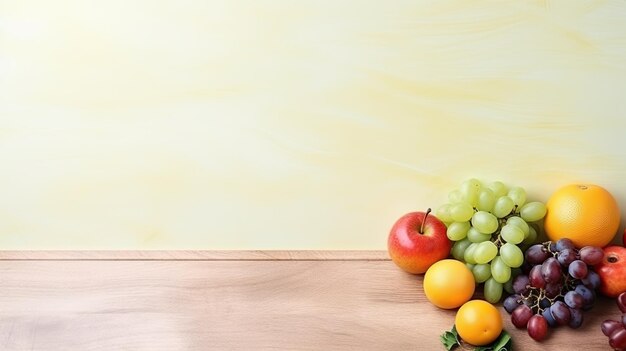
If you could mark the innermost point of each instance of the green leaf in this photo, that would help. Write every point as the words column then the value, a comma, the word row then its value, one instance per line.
column 450, row 339
column 502, row 343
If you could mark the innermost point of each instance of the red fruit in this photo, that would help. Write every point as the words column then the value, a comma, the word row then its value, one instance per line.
column 537, row 327
column 609, row 326
column 417, row 240
column 617, row 339
column 520, row 316
column 612, row 271
column 621, row 302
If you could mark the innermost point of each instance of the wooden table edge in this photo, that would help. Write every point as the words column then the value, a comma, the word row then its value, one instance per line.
column 194, row 255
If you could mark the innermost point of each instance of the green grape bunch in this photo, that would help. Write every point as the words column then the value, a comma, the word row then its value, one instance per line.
column 489, row 224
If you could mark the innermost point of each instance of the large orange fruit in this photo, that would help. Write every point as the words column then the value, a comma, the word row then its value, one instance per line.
column 586, row 213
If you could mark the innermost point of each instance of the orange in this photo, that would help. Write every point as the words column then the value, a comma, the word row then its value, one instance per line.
column 586, row 213
column 478, row 322
column 448, row 284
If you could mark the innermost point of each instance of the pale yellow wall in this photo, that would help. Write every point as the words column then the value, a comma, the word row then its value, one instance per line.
column 293, row 124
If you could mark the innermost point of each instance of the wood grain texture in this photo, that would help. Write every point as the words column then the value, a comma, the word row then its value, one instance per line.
column 233, row 305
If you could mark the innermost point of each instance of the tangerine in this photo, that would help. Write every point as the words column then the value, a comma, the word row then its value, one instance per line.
column 478, row 322
column 449, row 284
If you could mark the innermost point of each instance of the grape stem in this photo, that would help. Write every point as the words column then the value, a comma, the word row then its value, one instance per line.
column 495, row 237
column 498, row 241
column 534, row 296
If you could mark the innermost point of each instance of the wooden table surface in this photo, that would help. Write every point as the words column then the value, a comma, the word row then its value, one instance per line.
column 237, row 300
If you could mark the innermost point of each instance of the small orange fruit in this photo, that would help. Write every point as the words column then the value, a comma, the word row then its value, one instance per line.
column 449, row 284
column 586, row 213
column 478, row 322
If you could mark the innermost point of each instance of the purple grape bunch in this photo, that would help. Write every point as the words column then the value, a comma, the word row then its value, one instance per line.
column 558, row 283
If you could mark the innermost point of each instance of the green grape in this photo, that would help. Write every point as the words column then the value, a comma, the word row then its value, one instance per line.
column 520, row 223
column 515, row 272
column 532, row 236
column 455, row 197
column 518, row 195
column 500, row 271
column 503, row 206
column 508, row 286
column 512, row 234
column 458, row 249
column 443, row 213
column 477, row 237
column 485, row 222
column 470, row 266
column 533, row 211
column 498, row 188
column 457, row 230
column 468, row 256
column 469, row 191
column 481, row 272
column 492, row 290
column 461, row 212
column 511, row 255
column 485, row 252
column 486, row 200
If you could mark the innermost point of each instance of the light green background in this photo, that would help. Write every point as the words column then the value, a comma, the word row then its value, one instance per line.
column 293, row 124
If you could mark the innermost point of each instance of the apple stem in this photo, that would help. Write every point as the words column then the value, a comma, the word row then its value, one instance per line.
column 424, row 221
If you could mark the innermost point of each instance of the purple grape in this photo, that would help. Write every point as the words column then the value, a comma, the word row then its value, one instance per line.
column 545, row 303
column 548, row 316
column 609, row 326
column 553, row 248
column 574, row 299
column 591, row 255
column 566, row 257
column 617, row 339
column 576, row 318
column 536, row 254
column 535, row 279
column 537, row 327
column 521, row 284
column 551, row 270
column 578, row 269
column 560, row 312
column 624, row 319
column 592, row 280
column 564, row 243
column 586, row 293
column 526, row 267
column 552, row 290
column 621, row 302
column 520, row 316
column 511, row 303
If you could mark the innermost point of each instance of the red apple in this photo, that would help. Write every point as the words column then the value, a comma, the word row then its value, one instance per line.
column 612, row 271
column 417, row 240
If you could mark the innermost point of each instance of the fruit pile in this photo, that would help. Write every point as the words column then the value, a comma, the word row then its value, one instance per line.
column 487, row 234
column 559, row 282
